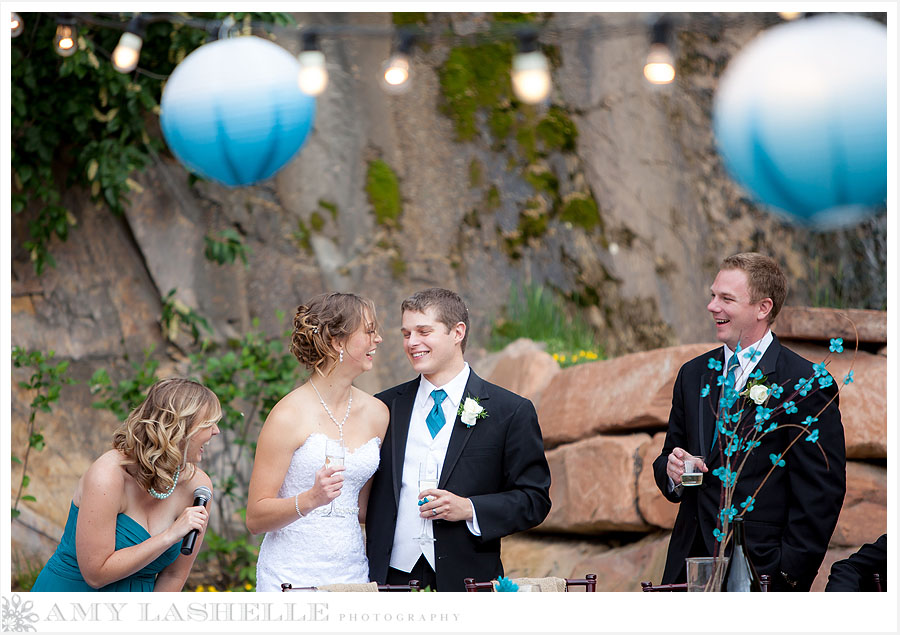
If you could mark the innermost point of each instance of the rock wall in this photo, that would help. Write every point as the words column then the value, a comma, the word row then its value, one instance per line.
column 604, row 424
column 666, row 214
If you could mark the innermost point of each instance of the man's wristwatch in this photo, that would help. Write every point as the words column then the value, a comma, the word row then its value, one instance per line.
column 791, row 582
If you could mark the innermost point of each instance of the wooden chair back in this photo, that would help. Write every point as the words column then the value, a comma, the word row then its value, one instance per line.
column 589, row 582
column 682, row 586
column 390, row 588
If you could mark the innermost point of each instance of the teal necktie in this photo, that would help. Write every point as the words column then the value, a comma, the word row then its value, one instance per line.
column 730, row 378
column 435, row 418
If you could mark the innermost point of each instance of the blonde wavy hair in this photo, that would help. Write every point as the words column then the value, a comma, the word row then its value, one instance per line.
column 155, row 435
column 324, row 320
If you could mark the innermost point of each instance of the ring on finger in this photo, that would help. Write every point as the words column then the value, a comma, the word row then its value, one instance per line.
column 434, row 512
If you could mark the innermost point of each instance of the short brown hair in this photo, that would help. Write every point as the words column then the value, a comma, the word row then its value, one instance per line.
column 764, row 278
column 450, row 310
column 323, row 320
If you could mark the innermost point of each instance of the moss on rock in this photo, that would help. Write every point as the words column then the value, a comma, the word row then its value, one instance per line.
column 383, row 189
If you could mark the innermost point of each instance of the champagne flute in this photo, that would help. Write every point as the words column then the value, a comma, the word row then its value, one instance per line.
column 428, row 479
column 334, row 457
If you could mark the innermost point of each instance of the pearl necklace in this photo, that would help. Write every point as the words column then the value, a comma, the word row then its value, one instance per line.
column 340, row 426
column 168, row 492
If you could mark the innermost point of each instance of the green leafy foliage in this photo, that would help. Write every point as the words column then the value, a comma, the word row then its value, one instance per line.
column 47, row 378
column 77, row 122
column 235, row 560
column 177, row 316
column 538, row 314
column 123, row 396
column 226, row 247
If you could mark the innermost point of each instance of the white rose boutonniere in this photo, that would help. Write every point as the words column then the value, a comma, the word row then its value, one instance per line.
column 470, row 410
column 759, row 393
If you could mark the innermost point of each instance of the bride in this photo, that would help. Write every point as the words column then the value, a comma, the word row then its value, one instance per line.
column 311, row 513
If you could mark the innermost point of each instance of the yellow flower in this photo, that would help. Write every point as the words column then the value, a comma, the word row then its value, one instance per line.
column 212, row 588
column 556, row 357
column 248, row 586
column 199, row 588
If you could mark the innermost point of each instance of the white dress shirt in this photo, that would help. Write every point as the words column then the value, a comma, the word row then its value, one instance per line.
column 748, row 358
column 419, row 443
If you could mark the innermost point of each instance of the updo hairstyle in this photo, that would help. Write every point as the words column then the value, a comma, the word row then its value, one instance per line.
column 156, row 433
column 324, row 320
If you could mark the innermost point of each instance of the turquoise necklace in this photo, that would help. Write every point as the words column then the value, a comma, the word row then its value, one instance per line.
column 168, row 492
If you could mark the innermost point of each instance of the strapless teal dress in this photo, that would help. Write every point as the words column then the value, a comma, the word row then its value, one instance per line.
column 61, row 573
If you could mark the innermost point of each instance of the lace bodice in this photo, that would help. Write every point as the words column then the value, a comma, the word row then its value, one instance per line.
column 319, row 549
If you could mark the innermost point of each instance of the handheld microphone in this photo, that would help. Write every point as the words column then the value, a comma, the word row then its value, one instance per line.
column 201, row 497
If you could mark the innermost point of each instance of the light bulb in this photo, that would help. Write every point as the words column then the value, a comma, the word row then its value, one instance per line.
column 313, row 77
column 660, row 67
column 396, row 73
column 125, row 56
column 16, row 25
column 531, row 77
column 64, row 41
column 789, row 15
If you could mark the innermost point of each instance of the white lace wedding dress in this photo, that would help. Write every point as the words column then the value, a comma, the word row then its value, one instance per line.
column 319, row 549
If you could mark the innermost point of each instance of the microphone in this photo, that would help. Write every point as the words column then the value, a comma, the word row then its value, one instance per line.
column 201, row 497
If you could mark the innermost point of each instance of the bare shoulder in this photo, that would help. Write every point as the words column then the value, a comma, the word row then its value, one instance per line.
column 199, row 478
column 105, row 477
column 376, row 412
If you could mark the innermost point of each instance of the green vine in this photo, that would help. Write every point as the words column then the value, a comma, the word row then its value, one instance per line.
column 46, row 379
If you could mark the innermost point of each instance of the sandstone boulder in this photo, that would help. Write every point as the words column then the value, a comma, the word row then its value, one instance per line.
column 819, row 323
column 621, row 568
column 654, row 507
column 864, row 514
column 525, row 368
column 594, row 486
column 629, row 392
column 863, row 403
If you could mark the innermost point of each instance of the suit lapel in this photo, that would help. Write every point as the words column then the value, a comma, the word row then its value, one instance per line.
column 401, row 413
column 475, row 387
column 708, row 406
column 768, row 363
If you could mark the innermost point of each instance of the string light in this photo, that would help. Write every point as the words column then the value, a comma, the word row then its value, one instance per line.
column 128, row 51
column 396, row 70
column 530, row 73
column 64, row 40
column 789, row 15
column 660, row 65
column 16, row 24
column 530, row 70
column 313, row 77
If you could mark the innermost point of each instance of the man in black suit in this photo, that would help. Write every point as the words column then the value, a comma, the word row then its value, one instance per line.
column 494, row 478
column 790, row 521
column 857, row 573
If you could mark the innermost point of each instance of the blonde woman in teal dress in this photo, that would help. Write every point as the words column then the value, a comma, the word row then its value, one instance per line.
column 134, row 505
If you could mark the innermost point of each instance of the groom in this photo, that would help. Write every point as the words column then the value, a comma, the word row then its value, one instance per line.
column 494, row 478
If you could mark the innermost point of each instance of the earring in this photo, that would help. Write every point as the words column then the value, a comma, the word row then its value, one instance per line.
column 341, row 358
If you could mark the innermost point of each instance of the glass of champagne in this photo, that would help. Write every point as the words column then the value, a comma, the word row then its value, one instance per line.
column 428, row 479
column 692, row 475
column 334, row 457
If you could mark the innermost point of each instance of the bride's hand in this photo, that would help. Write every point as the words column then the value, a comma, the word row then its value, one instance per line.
column 327, row 487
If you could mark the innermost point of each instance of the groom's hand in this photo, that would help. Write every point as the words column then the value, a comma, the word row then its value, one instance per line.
column 444, row 505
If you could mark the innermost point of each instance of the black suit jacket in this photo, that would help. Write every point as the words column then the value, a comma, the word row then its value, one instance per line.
column 855, row 573
column 498, row 463
column 797, row 509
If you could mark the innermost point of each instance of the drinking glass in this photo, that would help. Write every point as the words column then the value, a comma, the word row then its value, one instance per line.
column 334, row 457
column 701, row 573
column 692, row 475
column 428, row 479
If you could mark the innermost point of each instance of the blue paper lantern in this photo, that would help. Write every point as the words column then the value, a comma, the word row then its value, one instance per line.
column 800, row 118
column 232, row 111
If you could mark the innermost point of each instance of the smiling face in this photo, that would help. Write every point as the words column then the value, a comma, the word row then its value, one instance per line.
column 205, row 432
column 432, row 349
column 737, row 318
column 360, row 347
